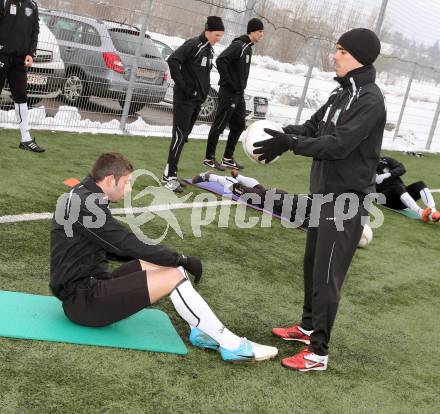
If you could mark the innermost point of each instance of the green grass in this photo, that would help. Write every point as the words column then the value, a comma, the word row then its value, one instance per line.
column 384, row 348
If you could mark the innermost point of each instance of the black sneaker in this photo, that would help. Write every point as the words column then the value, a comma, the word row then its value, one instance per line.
column 173, row 184
column 165, row 179
column 231, row 163
column 31, row 146
column 213, row 164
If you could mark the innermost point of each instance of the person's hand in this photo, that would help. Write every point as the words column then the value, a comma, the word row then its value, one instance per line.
column 28, row 61
column 293, row 129
column 381, row 177
column 273, row 147
column 193, row 265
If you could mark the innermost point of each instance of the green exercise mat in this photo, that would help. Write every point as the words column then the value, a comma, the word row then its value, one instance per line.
column 405, row 212
column 26, row 316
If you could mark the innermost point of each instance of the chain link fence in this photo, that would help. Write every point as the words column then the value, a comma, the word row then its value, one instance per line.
column 95, row 73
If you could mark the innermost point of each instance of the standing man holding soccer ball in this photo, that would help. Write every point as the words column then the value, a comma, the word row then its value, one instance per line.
column 344, row 139
column 190, row 67
column 233, row 65
column 19, row 30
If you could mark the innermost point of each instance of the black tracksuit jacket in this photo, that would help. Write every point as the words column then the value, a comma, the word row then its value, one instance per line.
column 344, row 137
column 233, row 64
column 19, row 32
column 87, row 252
column 190, row 66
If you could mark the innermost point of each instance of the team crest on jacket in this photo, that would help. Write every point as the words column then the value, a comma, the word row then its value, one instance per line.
column 28, row 11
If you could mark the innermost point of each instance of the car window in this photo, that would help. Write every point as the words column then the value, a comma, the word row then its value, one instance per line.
column 90, row 36
column 164, row 49
column 125, row 41
column 66, row 29
column 45, row 18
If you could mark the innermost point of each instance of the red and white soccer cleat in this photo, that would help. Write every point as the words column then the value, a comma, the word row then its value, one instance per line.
column 294, row 333
column 306, row 360
column 425, row 215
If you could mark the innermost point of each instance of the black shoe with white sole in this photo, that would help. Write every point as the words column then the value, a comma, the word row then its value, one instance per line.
column 165, row 179
column 31, row 146
column 231, row 163
column 213, row 164
column 173, row 184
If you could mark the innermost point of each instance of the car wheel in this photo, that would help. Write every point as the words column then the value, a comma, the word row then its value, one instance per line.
column 75, row 89
column 209, row 107
column 134, row 106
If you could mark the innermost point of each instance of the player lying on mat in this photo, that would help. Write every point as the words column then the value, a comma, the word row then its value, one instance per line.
column 400, row 196
column 251, row 191
column 92, row 295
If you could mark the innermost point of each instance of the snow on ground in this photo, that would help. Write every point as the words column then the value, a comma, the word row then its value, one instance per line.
column 282, row 83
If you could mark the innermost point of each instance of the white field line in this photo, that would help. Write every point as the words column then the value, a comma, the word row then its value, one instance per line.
column 435, row 191
column 135, row 210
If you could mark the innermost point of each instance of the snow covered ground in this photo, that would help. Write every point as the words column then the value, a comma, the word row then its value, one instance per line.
column 283, row 84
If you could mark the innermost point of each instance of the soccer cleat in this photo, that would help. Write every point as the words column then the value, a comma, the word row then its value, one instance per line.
column 213, row 164
column 425, row 214
column 294, row 333
column 306, row 360
column 200, row 178
column 202, row 340
column 435, row 216
column 248, row 351
column 31, row 146
column 173, row 184
column 234, row 173
column 231, row 163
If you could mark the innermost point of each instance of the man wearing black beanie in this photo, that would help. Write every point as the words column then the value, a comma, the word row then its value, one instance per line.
column 344, row 139
column 233, row 65
column 190, row 67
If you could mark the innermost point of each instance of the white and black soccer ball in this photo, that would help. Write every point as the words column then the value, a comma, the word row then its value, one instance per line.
column 367, row 236
column 254, row 133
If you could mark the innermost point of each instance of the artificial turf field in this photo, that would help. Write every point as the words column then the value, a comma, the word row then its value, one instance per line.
column 384, row 348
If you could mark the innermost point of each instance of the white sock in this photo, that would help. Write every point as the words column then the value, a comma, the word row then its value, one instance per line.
column 226, row 182
column 410, row 202
column 194, row 310
column 22, row 116
column 428, row 199
column 247, row 181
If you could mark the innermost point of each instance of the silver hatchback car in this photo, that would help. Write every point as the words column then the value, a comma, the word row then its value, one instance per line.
column 99, row 56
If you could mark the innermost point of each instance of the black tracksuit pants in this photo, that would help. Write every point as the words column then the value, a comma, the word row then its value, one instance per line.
column 231, row 110
column 326, row 261
column 13, row 69
column 185, row 113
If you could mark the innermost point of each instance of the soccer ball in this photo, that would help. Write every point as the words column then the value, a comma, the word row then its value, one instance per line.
column 367, row 236
column 255, row 133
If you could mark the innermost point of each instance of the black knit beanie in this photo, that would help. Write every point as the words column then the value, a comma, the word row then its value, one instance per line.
column 362, row 44
column 214, row 24
column 254, row 25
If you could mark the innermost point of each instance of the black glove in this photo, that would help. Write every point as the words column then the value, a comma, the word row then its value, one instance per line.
column 273, row 147
column 193, row 265
column 294, row 129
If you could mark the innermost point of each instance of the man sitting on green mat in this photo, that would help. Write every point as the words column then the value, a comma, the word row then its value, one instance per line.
column 298, row 208
column 94, row 296
column 398, row 196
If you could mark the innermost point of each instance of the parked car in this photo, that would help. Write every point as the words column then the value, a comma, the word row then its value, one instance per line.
column 99, row 56
column 256, row 106
column 46, row 75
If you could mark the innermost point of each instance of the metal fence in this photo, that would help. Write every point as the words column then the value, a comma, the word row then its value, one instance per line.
column 93, row 72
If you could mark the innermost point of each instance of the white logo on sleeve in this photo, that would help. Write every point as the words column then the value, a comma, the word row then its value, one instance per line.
column 204, row 60
column 28, row 11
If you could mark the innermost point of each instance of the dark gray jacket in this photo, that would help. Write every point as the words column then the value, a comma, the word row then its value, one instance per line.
column 19, row 30
column 87, row 252
column 190, row 66
column 344, row 137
